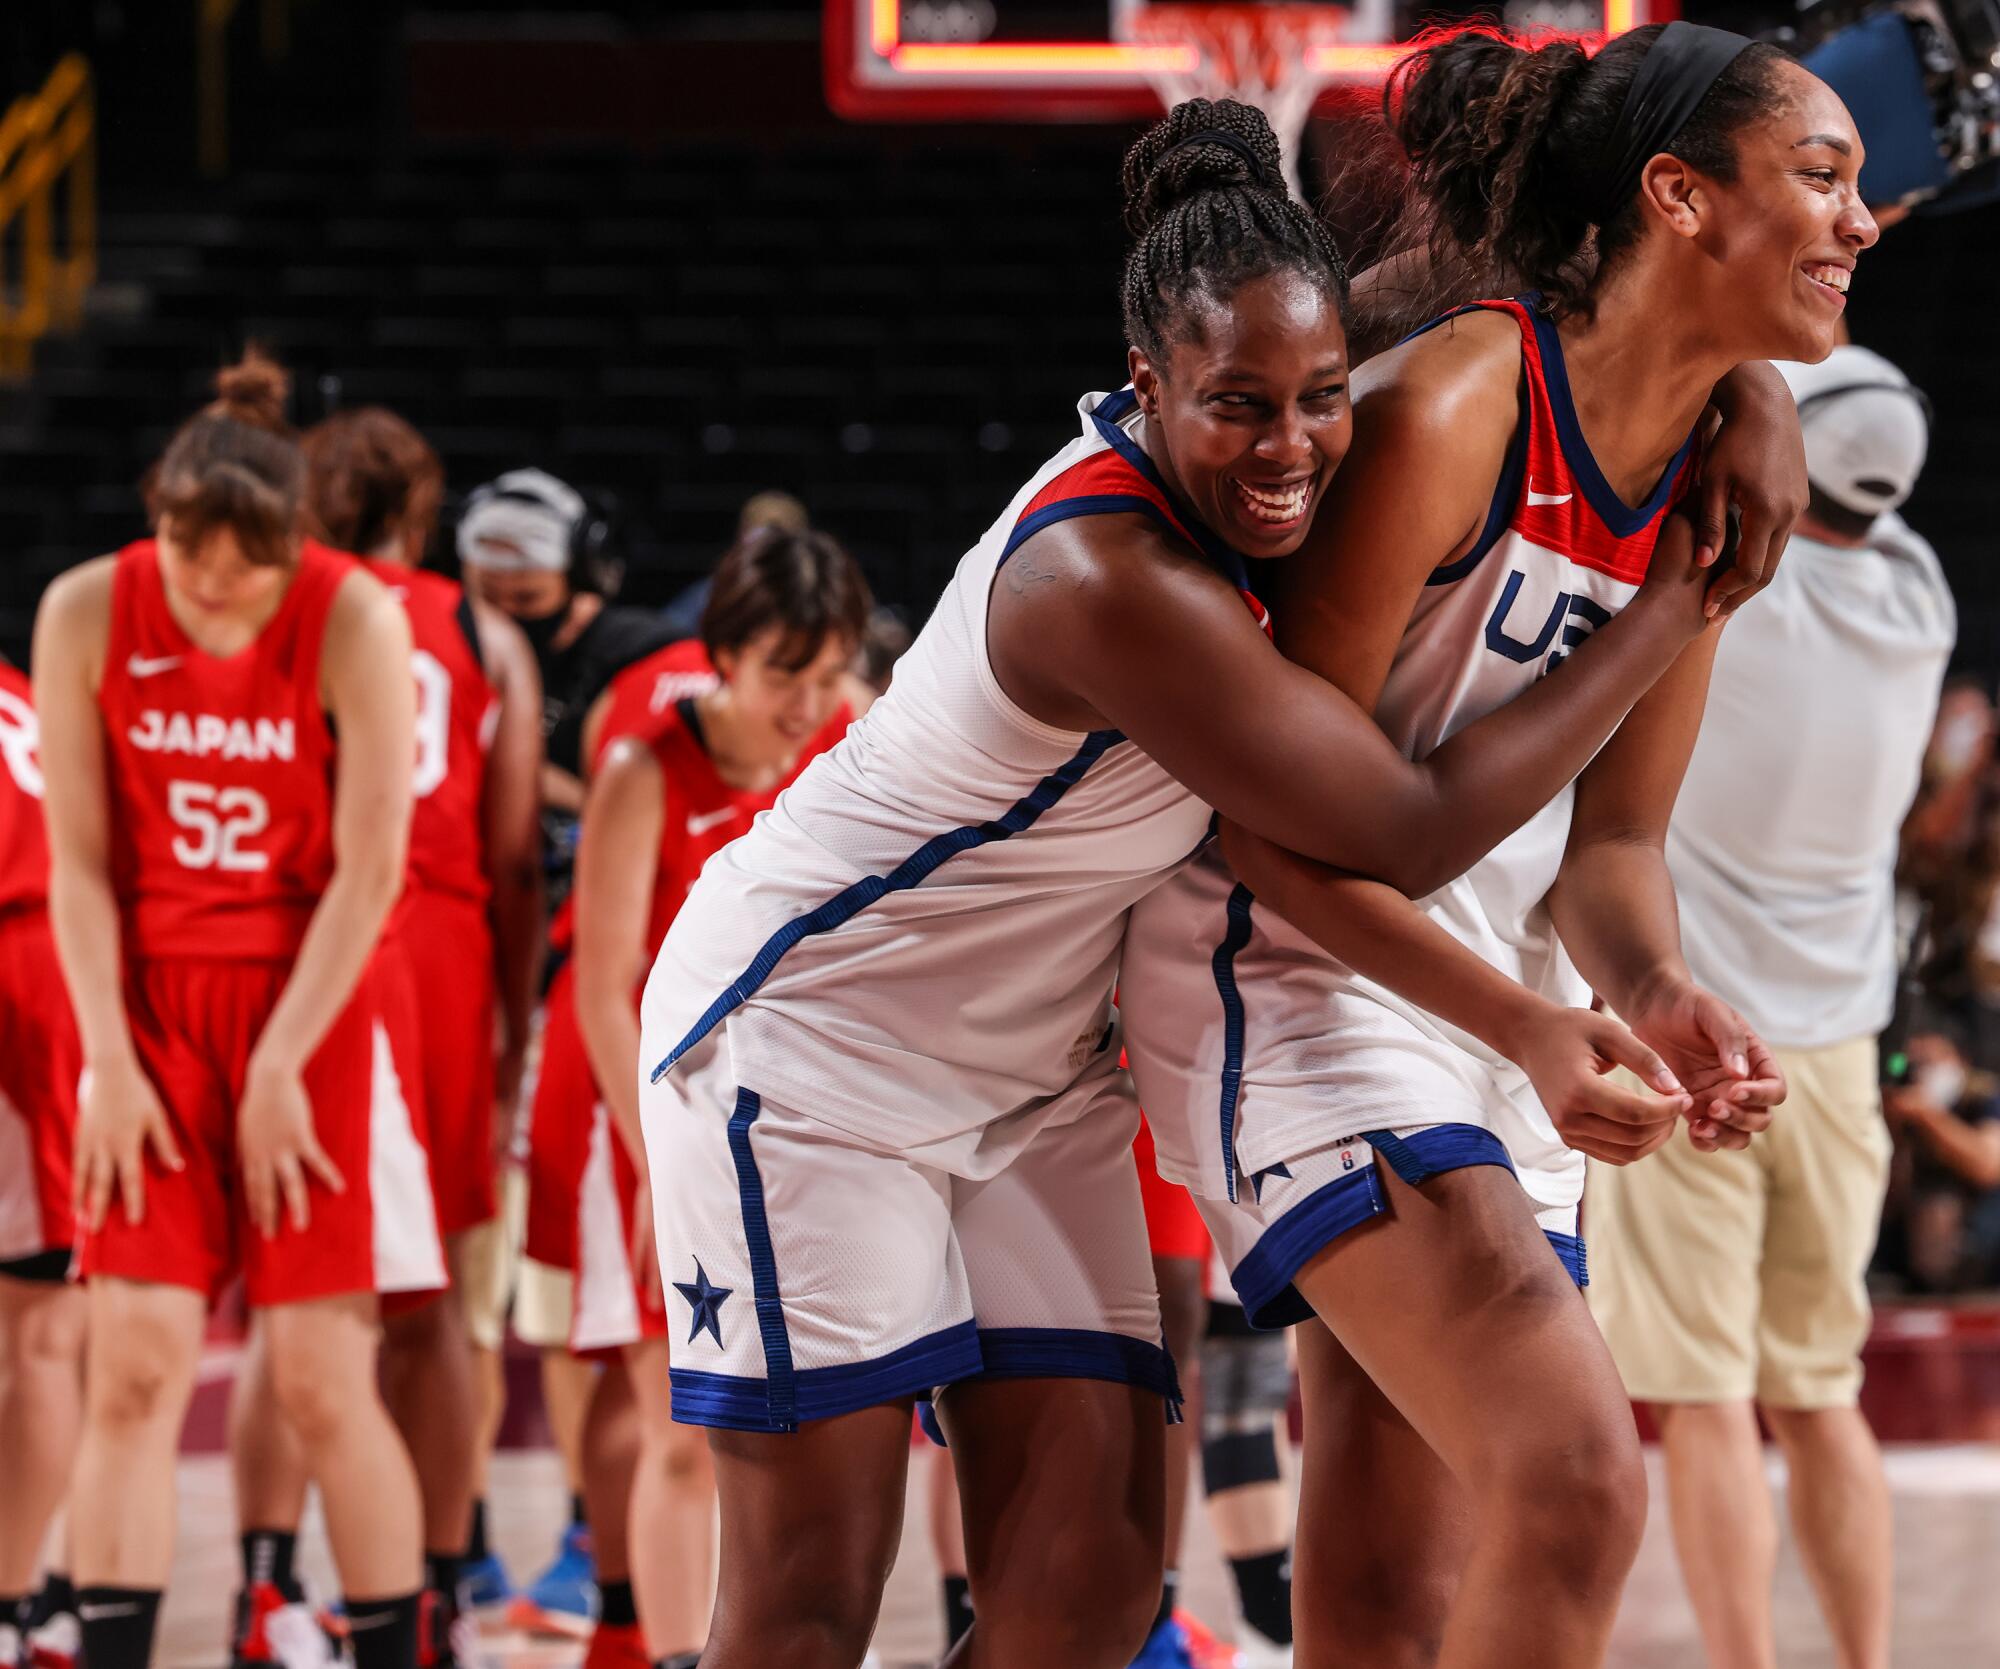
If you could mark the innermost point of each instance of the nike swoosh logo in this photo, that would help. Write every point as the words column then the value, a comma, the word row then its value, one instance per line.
column 1549, row 498
column 141, row 666
column 357, row 1623
column 97, row 1613
column 700, row 825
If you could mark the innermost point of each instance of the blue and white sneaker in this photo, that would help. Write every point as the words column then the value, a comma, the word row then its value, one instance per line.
column 486, row 1582
column 563, row 1599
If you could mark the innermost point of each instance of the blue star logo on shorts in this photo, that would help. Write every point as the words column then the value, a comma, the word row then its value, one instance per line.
column 705, row 1299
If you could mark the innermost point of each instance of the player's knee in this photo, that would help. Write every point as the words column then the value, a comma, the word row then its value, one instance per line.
column 130, row 1384
column 1575, row 1497
column 316, row 1386
column 812, row 1606
column 1090, row 1598
column 48, row 1335
column 1379, row 1607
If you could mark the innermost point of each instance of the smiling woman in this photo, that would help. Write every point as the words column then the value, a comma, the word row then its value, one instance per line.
column 1384, row 1106
column 889, row 1008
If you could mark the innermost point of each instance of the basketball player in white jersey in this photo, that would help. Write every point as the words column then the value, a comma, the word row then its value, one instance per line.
column 890, row 1146
column 1412, row 1177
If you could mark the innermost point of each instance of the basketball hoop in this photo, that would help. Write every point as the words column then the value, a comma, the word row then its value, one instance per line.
column 1262, row 55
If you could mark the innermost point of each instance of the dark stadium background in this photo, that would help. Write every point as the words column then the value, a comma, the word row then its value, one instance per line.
column 630, row 244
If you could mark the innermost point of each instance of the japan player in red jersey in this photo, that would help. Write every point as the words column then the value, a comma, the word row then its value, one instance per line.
column 41, row 1315
column 472, row 925
column 784, row 618
column 228, row 721
column 468, row 926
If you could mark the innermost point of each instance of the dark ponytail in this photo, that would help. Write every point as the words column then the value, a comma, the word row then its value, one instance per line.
column 1206, row 204
column 1505, row 138
column 235, row 464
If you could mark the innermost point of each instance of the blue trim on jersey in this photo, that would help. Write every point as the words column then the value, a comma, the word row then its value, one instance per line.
column 781, row 1389
column 912, row 871
column 1418, row 1157
column 1108, row 415
column 1621, row 518
column 1078, row 1353
column 1088, row 504
column 1235, row 936
column 743, row 1404
column 1569, row 1247
column 1505, row 501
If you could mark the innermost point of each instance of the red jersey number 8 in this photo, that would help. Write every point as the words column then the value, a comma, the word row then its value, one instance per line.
column 20, row 733
column 218, row 821
column 433, row 722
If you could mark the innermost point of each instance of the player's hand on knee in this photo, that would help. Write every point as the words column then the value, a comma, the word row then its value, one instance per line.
column 279, row 1149
column 119, row 1116
column 1568, row 1056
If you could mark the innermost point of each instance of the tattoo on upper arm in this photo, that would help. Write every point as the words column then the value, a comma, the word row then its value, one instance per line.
column 1024, row 570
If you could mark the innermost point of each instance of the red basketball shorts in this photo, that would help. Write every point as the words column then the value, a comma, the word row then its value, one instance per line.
column 195, row 1024
column 449, row 945
column 40, row 1061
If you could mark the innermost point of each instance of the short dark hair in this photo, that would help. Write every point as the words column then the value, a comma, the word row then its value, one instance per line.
column 801, row 581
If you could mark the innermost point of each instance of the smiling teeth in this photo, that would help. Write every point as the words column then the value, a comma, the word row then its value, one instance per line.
column 1286, row 506
column 1833, row 277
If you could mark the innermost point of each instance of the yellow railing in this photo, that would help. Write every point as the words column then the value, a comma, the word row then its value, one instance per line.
column 46, row 138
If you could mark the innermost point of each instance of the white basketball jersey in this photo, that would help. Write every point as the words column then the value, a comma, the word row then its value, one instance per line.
column 1251, row 1045
column 920, row 939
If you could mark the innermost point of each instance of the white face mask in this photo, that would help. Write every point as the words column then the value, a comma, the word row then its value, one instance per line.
column 1942, row 1082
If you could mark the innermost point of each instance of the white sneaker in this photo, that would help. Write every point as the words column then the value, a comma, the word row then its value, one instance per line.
column 296, row 1639
column 57, row 1644
column 10, row 1646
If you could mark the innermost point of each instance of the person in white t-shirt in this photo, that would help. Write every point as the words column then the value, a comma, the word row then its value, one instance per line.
column 1729, row 1283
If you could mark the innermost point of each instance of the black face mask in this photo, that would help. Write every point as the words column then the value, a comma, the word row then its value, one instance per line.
column 541, row 629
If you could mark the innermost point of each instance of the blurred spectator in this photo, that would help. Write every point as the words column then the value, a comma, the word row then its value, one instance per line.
column 1731, row 1283
column 1943, row 1232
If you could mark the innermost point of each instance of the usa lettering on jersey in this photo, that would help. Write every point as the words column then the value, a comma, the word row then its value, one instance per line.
column 211, row 736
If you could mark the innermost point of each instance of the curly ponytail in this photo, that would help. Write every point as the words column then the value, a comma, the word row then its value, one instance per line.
column 1504, row 135
column 235, row 464
column 1206, row 204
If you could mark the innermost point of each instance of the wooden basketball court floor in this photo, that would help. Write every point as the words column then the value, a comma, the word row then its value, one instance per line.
column 1947, row 1499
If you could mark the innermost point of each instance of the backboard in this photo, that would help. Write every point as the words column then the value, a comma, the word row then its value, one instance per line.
column 1106, row 60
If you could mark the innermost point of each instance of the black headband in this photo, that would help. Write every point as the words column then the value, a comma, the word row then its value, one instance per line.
column 1674, row 76
column 1216, row 136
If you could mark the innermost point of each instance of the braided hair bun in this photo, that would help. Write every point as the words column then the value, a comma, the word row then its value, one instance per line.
column 1208, row 210
column 1203, row 145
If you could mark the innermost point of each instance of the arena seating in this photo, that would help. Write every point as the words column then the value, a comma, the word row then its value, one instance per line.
column 863, row 325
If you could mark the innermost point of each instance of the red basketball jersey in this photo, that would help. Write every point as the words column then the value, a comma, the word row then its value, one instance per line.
column 24, row 841
column 644, row 694
column 456, row 710
column 220, row 770
column 704, row 814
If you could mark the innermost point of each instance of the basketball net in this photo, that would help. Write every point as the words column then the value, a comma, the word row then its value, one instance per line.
column 1260, row 55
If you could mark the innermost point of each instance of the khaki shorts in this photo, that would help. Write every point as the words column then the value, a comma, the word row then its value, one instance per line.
column 1718, row 1277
